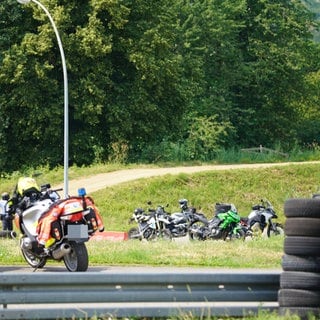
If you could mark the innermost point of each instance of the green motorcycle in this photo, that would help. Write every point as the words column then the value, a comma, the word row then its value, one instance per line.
column 225, row 225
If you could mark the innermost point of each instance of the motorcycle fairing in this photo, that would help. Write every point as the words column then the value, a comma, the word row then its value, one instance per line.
column 32, row 215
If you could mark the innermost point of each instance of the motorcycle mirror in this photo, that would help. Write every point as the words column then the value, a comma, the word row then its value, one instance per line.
column 45, row 187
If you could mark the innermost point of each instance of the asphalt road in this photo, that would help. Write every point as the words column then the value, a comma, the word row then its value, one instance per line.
column 130, row 269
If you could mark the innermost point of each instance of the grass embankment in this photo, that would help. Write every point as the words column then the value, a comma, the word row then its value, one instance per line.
column 243, row 187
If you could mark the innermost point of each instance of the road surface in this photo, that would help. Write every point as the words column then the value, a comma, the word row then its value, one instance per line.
column 130, row 269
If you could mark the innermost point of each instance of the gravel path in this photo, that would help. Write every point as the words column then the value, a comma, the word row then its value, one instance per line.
column 103, row 180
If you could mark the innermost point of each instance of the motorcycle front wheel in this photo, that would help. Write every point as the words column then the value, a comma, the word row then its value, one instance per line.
column 134, row 233
column 277, row 231
column 77, row 259
column 196, row 230
column 238, row 235
column 32, row 259
column 165, row 235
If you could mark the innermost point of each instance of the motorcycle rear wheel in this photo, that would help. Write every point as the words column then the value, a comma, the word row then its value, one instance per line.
column 32, row 259
column 77, row 259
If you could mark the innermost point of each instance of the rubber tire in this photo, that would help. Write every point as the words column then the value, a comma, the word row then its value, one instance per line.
column 300, row 263
column 300, row 280
column 132, row 232
column 298, row 298
column 32, row 260
column 195, row 236
column 77, row 260
column 240, row 235
column 279, row 231
column 165, row 235
column 302, row 227
column 306, row 246
column 304, row 313
column 307, row 208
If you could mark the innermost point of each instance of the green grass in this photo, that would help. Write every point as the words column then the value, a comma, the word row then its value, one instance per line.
column 263, row 315
column 263, row 253
column 259, row 253
column 243, row 187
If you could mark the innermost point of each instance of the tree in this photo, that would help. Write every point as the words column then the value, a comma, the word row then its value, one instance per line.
column 277, row 44
column 145, row 72
column 124, row 79
column 210, row 31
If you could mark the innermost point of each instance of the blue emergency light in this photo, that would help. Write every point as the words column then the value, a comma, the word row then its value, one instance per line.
column 82, row 192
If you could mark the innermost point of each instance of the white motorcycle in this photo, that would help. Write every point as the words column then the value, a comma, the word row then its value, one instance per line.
column 261, row 219
column 68, row 232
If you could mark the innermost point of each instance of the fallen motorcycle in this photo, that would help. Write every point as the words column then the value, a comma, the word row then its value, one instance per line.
column 54, row 228
column 225, row 225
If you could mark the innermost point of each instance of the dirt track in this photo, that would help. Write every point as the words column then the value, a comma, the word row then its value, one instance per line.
column 103, row 180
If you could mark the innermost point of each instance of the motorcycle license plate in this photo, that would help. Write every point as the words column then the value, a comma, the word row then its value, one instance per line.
column 78, row 232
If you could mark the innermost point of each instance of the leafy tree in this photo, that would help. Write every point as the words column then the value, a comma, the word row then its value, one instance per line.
column 276, row 45
column 146, row 73
column 22, row 97
column 124, row 79
column 210, row 30
column 206, row 134
column 150, row 94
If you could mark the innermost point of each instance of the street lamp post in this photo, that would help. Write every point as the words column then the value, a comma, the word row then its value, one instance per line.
column 66, row 107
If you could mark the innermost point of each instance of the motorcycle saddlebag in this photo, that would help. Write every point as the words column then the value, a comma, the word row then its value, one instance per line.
column 91, row 220
column 56, row 230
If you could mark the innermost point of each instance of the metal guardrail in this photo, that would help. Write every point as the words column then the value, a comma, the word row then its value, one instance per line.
column 61, row 295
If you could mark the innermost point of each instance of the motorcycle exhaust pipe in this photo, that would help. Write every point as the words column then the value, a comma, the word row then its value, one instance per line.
column 58, row 253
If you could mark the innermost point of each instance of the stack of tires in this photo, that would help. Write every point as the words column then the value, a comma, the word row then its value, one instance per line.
column 300, row 279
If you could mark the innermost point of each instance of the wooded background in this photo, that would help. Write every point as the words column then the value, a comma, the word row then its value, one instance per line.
column 152, row 76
